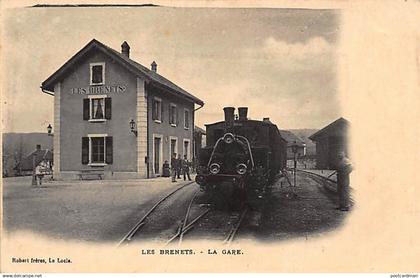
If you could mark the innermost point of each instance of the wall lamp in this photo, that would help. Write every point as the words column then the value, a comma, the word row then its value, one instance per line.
column 133, row 127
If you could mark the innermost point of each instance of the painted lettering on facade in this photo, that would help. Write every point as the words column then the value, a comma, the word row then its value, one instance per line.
column 92, row 90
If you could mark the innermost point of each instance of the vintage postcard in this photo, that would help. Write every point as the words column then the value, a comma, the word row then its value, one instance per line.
column 210, row 136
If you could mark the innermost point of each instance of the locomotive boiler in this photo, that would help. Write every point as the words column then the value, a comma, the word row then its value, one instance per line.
column 241, row 158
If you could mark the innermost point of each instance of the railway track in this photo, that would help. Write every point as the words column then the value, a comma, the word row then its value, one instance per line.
column 234, row 227
column 183, row 228
column 328, row 183
column 128, row 237
column 194, row 212
column 228, row 240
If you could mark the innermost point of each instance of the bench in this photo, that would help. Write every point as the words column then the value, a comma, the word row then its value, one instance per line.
column 91, row 173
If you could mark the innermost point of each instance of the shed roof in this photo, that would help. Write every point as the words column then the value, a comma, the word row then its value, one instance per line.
column 199, row 129
column 291, row 138
column 131, row 65
column 27, row 163
column 337, row 123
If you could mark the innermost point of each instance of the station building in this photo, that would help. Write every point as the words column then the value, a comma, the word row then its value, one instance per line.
column 293, row 141
column 329, row 141
column 26, row 166
column 116, row 115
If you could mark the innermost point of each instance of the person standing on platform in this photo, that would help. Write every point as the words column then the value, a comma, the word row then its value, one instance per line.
column 186, row 168
column 174, row 167
column 179, row 166
column 39, row 171
column 344, row 169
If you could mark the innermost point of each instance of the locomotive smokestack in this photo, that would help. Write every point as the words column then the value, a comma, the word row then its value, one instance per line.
column 243, row 113
column 229, row 117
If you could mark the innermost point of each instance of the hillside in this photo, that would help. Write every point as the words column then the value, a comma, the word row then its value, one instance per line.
column 304, row 135
column 18, row 145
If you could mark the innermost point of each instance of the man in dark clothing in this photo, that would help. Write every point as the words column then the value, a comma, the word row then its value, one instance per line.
column 179, row 166
column 174, row 167
column 344, row 169
column 186, row 168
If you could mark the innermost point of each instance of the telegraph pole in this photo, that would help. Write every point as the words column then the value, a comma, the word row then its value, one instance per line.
column 33, row 171
column 295, row 150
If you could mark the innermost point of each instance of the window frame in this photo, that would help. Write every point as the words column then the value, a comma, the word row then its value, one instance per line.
column 91, row 97
column 157, row 99
column 176, row 146
column 187, row 127
column 160, row 136
column 173, row 105
column 91, row 65
column 103, row 136
column 188, row 150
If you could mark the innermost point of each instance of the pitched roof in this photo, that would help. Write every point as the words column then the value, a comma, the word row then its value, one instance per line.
column 27, row 163
column 199, row 129
column 129, row 64
column 291, row 138
column 336, row 123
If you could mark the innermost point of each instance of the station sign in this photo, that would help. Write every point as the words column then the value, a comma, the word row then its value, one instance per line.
column 93, row 90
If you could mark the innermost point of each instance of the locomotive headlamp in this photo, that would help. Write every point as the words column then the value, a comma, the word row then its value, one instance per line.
column 214, row 168
column 228, row 138
column 241, row 169
column 200, row 179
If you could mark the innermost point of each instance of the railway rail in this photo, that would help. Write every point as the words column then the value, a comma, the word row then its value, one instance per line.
column 185, row 224
column 228, row 240
column 329, row 184
column 127, row 238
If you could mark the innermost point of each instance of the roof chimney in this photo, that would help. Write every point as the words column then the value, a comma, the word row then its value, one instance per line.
column 125, row 49
column 266, row 120
column 153, row 66
column 38, row 147
column 243, row 113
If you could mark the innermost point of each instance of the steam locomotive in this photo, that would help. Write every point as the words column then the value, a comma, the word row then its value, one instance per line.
column 241, row 158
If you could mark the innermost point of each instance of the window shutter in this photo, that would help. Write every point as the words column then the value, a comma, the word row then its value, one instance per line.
column 153, row 109
column 109, row 150
column 85, row 150
column 86, row 109
column 186, row 119
column 177, row 116
column 173, row 120
column 108, row 108
column 170, row 113
column 160, row 111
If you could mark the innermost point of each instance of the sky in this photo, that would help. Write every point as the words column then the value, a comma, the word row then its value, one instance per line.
column 281, row 63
